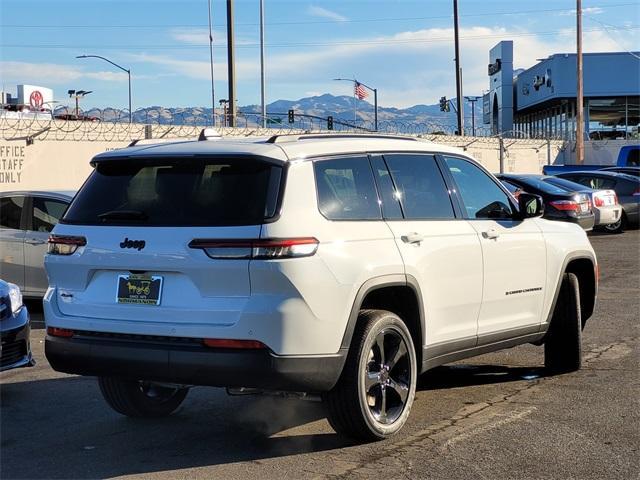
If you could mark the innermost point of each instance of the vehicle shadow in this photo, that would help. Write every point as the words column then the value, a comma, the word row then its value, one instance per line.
column 465, row 375
column 62, row 428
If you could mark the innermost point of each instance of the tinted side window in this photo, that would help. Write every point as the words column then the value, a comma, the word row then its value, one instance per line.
column 422, row 190
column 346, row 189
column 481, row 196
column 388, row 194
column 11, row 212
column 46, row 213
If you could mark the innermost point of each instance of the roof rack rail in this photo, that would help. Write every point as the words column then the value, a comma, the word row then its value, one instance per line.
column 286, row 138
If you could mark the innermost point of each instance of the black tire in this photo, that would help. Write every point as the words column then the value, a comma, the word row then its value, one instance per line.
column 135, row 398
column 372, row 400
column 563, row 342
column 617, row 227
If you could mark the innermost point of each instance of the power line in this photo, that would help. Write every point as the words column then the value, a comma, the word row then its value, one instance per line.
column 311, row 22
column 311, row 44
column 612, row 27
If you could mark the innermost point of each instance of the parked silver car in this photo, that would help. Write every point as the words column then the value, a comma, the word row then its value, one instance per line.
column 26, row 218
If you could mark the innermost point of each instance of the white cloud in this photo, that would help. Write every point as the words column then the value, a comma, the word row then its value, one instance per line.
column 54, row 74
column 408, row 67
column 200, row 36
column 585, row 11
column 324, row 13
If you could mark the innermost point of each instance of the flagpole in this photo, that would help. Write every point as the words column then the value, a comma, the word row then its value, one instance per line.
column 355, row 102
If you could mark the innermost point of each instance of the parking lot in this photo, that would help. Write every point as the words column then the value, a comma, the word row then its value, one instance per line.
column 495, row 416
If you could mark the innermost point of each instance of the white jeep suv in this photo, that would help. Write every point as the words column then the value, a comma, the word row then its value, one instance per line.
column 341, row 266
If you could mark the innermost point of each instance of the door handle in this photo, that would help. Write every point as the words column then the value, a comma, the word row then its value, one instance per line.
column 34, row 241
column 491, row 234
column 412, row 238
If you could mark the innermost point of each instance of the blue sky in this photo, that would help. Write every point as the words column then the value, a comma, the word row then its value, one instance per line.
column 402, row 47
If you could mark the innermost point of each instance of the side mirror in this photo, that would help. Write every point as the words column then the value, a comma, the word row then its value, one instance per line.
column 530, row 205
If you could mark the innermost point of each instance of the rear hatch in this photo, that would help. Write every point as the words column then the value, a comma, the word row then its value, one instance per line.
column 133, row 221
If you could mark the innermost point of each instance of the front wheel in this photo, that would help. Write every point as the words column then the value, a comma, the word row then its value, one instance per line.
column 563, row 342
column 374, row 395
column 137, row 398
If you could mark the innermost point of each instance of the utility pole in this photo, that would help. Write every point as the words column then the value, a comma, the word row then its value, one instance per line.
column 472, row 101
column 213, row 96
column 262, row 76
column 580, row 93
column 231, row 65
column 458, row 69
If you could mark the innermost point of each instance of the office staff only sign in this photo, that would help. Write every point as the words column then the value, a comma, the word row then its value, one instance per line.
column 55, row 165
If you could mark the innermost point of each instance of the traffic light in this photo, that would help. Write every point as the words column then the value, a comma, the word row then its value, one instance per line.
column 444, row 104
column 329, row 122
column 291, row 119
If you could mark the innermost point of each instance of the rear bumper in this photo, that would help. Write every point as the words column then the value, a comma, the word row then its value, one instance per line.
column 187, row 362
column 608, row 215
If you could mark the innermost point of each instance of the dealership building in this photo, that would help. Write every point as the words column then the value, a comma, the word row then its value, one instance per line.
column 540, row 102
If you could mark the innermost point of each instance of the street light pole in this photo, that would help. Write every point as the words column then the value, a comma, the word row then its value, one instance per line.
column 262, row 76
column 375, row 97
column 121, row 68
column 472, row 100
column 213, row 96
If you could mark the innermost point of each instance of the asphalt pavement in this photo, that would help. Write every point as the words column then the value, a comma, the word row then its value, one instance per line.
column 496, row 416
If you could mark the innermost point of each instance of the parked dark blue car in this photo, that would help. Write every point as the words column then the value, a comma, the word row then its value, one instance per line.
column 15, row 350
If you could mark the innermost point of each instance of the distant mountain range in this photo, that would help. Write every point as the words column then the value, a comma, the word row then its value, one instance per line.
column 341, row 108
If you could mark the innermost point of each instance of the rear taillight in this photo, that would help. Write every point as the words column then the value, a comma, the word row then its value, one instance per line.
column 598, row 202
column 260, row 249
column 64, row 244
column 60, row 332
column 565, row 205
column 238, row 344
column 636, row 193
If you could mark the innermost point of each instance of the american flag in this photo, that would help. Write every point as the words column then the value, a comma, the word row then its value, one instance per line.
column 360, row 91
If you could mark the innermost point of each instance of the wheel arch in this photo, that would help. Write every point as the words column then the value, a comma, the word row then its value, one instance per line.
column 585, row 267
column 399, row 294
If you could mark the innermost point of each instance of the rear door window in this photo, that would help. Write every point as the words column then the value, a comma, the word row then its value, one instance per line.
column 420, row 185
column 178, row 192
column 46, row 213
column 11, row 212
column 346, row 189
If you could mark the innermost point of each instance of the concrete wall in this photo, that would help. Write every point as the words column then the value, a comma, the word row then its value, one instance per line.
column 64, row 165
column 597, row 152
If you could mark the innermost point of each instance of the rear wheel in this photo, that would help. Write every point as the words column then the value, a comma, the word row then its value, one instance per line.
column 374, row 395
column 137, row 398
column 615, row 227
column 563, row 342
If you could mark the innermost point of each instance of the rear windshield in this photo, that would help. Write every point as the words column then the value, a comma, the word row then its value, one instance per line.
column 178, row 192
column 541, row 185
column 568, row 185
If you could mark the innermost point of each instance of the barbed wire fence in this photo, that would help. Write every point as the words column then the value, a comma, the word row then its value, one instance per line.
column 113, row 125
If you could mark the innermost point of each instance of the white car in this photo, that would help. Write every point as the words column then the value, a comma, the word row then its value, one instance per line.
column 26, row 219
column 338, row 265
column 606, row 207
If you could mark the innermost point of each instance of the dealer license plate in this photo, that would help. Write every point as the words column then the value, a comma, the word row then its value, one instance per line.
column 139, row 289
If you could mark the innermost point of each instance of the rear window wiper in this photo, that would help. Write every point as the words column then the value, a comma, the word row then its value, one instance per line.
column 123, row 215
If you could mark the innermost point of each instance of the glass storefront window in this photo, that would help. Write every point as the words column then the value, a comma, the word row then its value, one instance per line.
column 607, row 118
column 633, row 117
